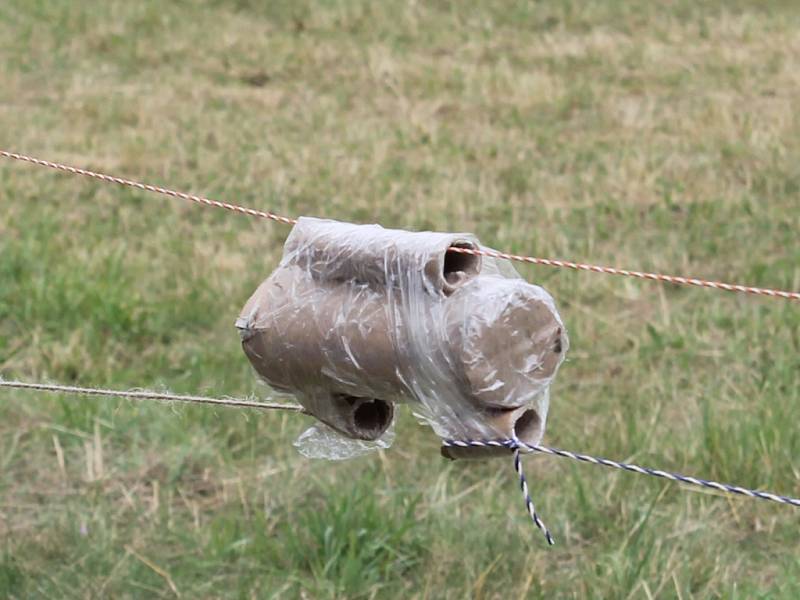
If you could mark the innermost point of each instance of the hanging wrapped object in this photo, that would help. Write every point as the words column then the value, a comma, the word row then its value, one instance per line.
column 358, row 318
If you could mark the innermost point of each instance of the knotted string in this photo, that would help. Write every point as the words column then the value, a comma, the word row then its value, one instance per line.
column 517, row 446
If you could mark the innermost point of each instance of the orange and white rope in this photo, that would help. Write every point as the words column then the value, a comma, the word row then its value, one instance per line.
column 150, row 188
column 673, row 279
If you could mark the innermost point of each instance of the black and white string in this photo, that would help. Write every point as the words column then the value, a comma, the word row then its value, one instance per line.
column 516, row 447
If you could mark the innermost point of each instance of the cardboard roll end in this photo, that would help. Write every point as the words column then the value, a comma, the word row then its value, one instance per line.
column 357, row 418
column 524, row 424
column 508, row 351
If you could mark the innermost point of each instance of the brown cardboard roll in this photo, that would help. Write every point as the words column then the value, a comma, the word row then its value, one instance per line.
column 508, row 340
column 340, row 252
column 293, row 334
column 303, row 335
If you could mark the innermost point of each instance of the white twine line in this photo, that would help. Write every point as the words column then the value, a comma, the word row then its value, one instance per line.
column 515, row 446
column 147, row 395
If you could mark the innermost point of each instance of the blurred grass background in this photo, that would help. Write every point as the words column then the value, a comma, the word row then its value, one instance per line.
column 659, row 136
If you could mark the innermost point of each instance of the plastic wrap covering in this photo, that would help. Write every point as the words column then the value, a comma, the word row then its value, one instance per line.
column 321, row 441
column 357, row 318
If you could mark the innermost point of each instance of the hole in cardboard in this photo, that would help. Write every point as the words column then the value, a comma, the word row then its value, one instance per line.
column 373, row 416
column 459, row 267
column 558, row 347
column 528, row 427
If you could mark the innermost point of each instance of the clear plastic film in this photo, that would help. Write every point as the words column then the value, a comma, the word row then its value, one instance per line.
column 358, row 318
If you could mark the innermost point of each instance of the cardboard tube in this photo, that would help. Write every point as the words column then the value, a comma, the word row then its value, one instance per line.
column 508, row 351
column 340, row 252
column 291, row 334
column 294, row 335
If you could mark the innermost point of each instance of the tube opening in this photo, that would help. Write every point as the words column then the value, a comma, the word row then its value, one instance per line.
column 558, row 346
column 528, row 427
column 459, row 267
column 373, row 416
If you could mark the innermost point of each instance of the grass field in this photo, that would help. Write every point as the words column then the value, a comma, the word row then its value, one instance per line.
column 661, row 136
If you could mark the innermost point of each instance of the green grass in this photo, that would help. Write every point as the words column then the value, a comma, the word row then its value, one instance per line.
column 659, row 136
